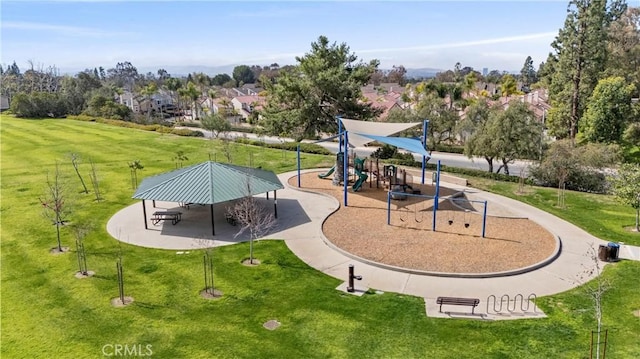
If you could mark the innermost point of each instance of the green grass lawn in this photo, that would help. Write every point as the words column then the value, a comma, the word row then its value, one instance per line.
column 48, row 313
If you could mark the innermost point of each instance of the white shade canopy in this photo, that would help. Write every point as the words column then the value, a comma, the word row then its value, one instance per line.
column 354, row 127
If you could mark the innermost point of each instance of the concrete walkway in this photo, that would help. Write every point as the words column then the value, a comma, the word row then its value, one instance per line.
column 301, row 214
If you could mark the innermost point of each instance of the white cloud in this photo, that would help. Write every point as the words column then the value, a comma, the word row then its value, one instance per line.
column 493, row 41
column 62, row 29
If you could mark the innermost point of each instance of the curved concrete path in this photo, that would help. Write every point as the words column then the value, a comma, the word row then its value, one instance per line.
column 301, row 214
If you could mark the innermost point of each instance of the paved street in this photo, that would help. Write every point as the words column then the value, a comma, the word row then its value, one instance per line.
column 447, row 159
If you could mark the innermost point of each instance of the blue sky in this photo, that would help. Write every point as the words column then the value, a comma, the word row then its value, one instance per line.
column 74, row 35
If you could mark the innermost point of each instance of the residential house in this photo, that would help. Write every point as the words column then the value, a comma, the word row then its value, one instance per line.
column 245, row 90
column 385, row 87
column 251, row 89
column 210, row 105
column 537, row 101
column 140, row 104
column 4, row 103
column 246, row 105
column 385, row 102
column 488, row 89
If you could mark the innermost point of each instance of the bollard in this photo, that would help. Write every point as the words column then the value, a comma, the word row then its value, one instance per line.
column 351, row 287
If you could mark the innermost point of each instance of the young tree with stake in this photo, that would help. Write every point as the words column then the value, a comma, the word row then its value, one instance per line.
column 595, row 291
column 54, row 203
column 134, row 166
column 252, row 217
column 75, row 159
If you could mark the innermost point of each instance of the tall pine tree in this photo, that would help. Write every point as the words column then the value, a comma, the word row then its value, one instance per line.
column 327, row 82
column 581, row 54
column 528, row 74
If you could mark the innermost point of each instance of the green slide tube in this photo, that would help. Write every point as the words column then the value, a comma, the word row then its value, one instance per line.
column 325, row 175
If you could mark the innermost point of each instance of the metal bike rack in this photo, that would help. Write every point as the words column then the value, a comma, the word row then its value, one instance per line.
column 535, row 300
column 499, row 306
column 508, row 300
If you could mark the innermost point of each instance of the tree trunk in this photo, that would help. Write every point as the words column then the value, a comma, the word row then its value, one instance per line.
column 251, row 250
column 75, row 166
column 574, row 107
column 58, row 232
column 575, row 98
column 490, row 162
column 505, row 164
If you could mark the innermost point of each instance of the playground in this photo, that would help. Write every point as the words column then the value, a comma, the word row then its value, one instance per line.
column 408, row 241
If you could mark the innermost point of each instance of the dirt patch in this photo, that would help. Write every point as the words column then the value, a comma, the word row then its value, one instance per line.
column 56, row 250
column 116, row 302
column 456, row 246
column 81, row 275
column 249, row 263
column 211, row 294
column 272, row 324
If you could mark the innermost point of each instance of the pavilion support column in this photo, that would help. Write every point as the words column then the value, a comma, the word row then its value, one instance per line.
column 154, row 203
column 275, row 204
column 267, row 195
column 213, row 226
column 144, row 214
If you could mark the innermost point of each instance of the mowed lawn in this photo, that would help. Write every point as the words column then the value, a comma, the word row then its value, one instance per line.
column 48, row 313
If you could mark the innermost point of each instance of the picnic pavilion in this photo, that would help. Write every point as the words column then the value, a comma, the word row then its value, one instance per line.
column 208, row 183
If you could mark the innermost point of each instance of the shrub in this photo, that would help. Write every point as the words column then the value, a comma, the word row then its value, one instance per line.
column 449, row 148
column 461, row 171
column 385, row 152
column 39, row 105
column 243, row 129
column 288, row 146
column 579, row 168
column 85, row 118
column 103, row 106
column 186, row 132
column 188, row 124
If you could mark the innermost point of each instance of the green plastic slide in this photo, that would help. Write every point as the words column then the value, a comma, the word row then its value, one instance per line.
column 325, row 175
column 362, row 177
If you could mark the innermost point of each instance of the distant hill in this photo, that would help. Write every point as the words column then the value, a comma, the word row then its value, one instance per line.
column 424, row 72
column 188, row 69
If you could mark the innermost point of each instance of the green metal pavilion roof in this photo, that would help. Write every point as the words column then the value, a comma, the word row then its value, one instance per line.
column 207, row 183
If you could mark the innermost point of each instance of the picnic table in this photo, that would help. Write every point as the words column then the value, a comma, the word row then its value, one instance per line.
column 172, row 216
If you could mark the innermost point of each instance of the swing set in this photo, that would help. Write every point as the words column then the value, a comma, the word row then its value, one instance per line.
column 467, row 212
column 418, row 219
column 419, row 214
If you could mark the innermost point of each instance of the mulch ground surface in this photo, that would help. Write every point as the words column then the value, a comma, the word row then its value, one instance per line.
column 409, row 242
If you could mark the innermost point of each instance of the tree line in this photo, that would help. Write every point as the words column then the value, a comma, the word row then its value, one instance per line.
column 592, row 75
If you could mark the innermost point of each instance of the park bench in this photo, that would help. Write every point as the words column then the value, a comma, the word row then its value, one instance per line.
column 472, row 302
column 174, row 217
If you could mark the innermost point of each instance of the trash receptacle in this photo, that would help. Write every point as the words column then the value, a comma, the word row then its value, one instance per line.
column 614, row 249
column 603, row 253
